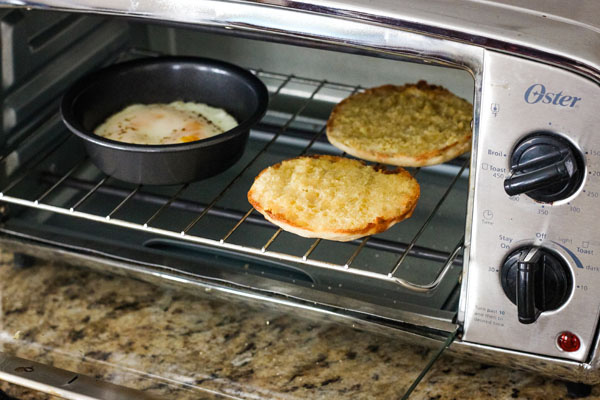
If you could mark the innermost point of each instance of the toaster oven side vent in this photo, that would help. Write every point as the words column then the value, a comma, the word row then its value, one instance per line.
column 41, row 186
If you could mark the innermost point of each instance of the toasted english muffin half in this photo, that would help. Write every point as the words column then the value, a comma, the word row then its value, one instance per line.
column 411, row 125
column 332, row 197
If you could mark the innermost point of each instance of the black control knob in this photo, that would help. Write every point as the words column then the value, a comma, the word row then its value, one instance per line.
column 546, row 167
column 536, row 280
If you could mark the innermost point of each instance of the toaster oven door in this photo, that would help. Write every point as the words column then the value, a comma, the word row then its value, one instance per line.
column 79, row 334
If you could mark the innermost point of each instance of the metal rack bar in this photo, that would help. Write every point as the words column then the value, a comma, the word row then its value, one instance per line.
column 167, row 204
column 431, row 215
column 302, row 79
column 362, row 243
column 88, row 194
column 366, row 239
column 283, row 129
column 122, row 203
column 286, row 80
column 217, row 244
column 312, row 248
column 128, row 195
column 239, row 175
column 240, row 221
column 276, row 234
column 358, row 250
column 61, row 180
column 306, row 148
column 271, row 240
column 447, row 265
column 314, row 245
column 227, row 246
column 192, row 206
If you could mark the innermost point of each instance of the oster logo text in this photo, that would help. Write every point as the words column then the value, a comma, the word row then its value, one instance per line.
column 537, row 93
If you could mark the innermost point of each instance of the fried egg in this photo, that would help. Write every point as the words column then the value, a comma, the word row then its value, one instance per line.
column 177, row 122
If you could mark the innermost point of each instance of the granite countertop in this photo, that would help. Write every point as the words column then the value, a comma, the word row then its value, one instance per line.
column 179, row 346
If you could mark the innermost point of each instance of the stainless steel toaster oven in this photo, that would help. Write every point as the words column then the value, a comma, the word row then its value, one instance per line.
column 501, row 259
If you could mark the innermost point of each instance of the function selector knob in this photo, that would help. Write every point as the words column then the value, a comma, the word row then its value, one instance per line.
column 546, row 167
column 536, row 280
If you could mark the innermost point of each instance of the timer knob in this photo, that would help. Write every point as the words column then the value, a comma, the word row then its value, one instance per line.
column 535, row 279
column 546, row 167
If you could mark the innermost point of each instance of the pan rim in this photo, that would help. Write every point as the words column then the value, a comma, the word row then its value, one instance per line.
column 76, row 89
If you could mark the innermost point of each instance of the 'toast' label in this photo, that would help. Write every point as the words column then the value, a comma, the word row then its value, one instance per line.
column 537, row 93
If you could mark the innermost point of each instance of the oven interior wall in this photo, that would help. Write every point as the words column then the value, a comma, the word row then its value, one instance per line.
column 40, row 59
column 307, row 62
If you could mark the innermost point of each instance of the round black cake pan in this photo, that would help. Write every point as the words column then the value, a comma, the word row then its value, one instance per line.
column 95, row 97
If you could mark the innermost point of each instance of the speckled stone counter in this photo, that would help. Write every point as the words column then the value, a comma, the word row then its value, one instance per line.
column 178, row 346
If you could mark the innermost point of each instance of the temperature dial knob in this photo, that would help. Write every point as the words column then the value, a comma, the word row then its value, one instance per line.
column 536, row 280
column 546, row 167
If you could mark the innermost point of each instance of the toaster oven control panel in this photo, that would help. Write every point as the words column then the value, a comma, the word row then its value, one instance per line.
column 533, row 272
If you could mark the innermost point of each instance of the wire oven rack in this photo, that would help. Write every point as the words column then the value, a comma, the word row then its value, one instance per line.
column 277, row 84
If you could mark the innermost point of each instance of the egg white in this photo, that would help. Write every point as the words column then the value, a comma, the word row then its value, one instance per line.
column 177, row 122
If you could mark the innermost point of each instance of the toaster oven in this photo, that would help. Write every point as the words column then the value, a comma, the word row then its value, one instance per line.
column 496, row 264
